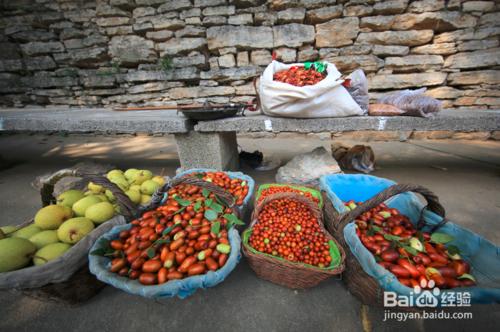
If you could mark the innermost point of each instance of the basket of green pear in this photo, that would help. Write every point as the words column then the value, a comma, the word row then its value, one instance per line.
column 54, row 245
column 138, row 185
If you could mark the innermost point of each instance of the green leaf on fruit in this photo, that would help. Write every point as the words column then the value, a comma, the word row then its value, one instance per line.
column 210, row 215
column 208, row 202
column 182, row 202
column 180, row 210
column 168, row 230
column 215, row 228
column 151, row 252
column 197, row 206
column 205, row 192
column 104, row 249
column 453, row 250
column 199, row 175
column 376, row 228
column 391, row 237
column 467, row 276
column 243, row 183
column 441, row 238
column 232, row 220
column 217, row 207
column 410, row 250
column 161, row 241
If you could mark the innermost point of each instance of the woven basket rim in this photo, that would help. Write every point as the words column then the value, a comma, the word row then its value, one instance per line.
column 294, row 265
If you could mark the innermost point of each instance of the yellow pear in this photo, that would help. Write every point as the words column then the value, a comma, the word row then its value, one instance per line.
column 134, row 195
column 95, row 188
column 159, row 179
column 27, row 232
column 145, row 199
column 73, row 230
column 52, row 216
column 100, row 212
column 148, row 187
column 15, row 253
column 50, row 252
column 44, row 238
column 83, row 204
column 69, row 197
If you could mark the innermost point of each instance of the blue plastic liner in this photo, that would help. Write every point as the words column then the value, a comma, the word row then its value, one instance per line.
column 233, row 175
column 482, row 255
column 99, row 266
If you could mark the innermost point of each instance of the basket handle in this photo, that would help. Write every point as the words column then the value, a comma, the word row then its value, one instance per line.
column 280, row 195
column 127, row 208
column 432, row 203
column 226, row 197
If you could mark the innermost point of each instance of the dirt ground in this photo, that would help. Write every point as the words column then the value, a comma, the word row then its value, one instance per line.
column 464, row 174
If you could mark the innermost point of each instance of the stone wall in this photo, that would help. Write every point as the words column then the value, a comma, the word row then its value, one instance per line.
column 107, row 52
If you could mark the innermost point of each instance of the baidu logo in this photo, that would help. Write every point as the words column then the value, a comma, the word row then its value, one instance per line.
column 426, row 295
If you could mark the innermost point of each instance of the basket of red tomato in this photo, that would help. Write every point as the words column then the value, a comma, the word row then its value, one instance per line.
column 287, row 244
column 395, row 243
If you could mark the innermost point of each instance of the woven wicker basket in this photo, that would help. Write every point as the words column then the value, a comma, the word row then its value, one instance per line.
column 359, row 283
column 82, row 285
column 283, row 272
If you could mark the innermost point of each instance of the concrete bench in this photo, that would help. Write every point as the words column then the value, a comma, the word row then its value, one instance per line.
column 213, row 144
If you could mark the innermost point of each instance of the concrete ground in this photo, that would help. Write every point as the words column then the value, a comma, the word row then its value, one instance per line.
column 464, row 174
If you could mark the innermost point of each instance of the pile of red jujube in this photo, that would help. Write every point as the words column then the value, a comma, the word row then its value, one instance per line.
column 285, row 189
column 299, row 76
column 237, row 187
column 288, row 229
column 186, row 236
column 412, row 256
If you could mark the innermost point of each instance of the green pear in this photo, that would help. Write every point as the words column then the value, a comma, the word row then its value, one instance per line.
column 159, row 179
column 145, row 199
column 52, row 216
column 70, row 197
column 88, row 193
column 134, row 195
column 141, row 176
column 8, row 230
column 103, row 197
column 44, row 238
column 130, row 173
column 121, row 183
column 148, row 187
column 100, row 212
column 27, row 232
column 15, row 253
column 110, row 196
column 83, row 204
column 73, row 230
column 50, row 252
column 136, row 187
column 114, row 173
column 95, row 188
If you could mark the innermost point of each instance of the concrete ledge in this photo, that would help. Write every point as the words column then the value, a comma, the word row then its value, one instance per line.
column 92, row 120
column 454, row 120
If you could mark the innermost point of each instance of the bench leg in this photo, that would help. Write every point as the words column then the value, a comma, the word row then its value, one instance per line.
column 208, row 150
